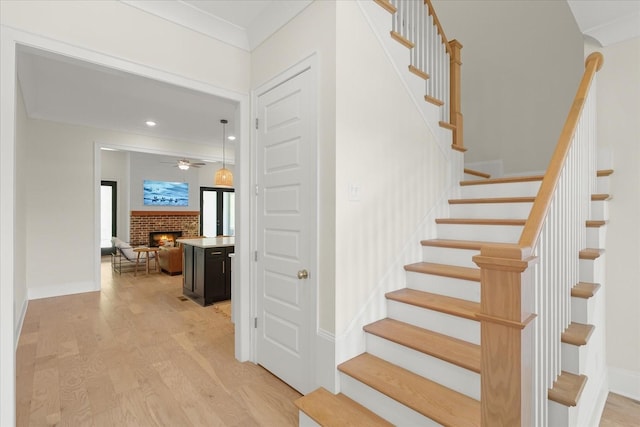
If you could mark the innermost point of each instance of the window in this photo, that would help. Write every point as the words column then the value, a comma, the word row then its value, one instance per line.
column 108, row 208
column 217, row 211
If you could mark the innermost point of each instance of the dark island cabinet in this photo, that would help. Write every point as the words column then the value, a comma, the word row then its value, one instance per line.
column 207, row 276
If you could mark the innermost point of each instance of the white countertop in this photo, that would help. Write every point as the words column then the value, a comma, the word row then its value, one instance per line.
column 209, row 242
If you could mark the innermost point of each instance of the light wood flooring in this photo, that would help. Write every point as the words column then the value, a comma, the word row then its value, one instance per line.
column 135, row 354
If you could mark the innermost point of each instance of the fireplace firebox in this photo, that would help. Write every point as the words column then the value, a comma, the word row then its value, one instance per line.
column 163, row 238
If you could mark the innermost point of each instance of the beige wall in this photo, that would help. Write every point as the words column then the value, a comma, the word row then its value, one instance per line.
column 312, row 31
column 619, row 133
column 522, row 62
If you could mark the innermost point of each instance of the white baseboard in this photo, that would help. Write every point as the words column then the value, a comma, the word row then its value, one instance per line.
column 326, row 372
column 61, row 289
column 624, row 382
column 20, row 322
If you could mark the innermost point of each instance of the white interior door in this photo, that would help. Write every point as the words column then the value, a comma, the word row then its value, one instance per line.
column 286, row 230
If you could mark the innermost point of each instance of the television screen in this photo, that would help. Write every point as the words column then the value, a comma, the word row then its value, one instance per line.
column 163, row 193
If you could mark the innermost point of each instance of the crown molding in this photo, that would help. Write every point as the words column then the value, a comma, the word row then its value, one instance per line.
column 607, row 22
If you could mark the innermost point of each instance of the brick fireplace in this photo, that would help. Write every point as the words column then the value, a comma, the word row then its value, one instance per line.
column 145, row 222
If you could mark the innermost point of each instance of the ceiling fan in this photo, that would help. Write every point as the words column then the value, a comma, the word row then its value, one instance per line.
column 185, row 164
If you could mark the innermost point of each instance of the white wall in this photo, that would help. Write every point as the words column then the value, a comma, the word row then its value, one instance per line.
column 619, row 132
column 384, row 147
column 522, row 62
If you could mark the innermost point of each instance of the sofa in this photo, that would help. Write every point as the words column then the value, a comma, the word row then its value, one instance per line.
column 170, row 260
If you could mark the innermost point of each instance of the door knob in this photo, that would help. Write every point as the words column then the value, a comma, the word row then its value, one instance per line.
column 303, row 274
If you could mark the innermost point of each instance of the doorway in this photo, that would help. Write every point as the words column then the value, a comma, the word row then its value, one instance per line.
column 217, row 211
column 108, row 215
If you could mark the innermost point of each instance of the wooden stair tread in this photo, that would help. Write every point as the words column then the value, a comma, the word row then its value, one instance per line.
column 591, row 253
column 577, row 334
column 585, row 290
column 386, row 5
column 567, row 389
column 446, row 125
column 502, row 180
column 600, row 197
column 455, row 244
column 337, row 410
column 439, row 403
column 418, row 72
column 493, row 200
column 456, row 272
column 448, row 305
column 605, row 172
column 402, row 40
column 595, row 224
column 434, row 101
column 480, row 221
column 476, row 173
column 452, row 350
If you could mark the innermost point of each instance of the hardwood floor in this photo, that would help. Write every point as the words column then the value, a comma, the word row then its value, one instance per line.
column 135, row 354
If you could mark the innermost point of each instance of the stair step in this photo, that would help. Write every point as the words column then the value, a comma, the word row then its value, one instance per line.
column 585, row 290
column 492, row 200
column 434, row 101
column 591, row 253
column 455, row 244
column 600, row 197
column 596, row 224
column 426, row 397
column 481, row 221
column 443, row 304
column 418, row 72
column 386, row 5
column 452, row 350
column 477, row 173
column 502, row 180
column 577, row 334
column 567, row 389
column 463, row 273
column 337, row 410
column 402, row 40
column 605, row 172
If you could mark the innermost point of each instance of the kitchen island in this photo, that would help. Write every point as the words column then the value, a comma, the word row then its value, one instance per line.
column 206, row 276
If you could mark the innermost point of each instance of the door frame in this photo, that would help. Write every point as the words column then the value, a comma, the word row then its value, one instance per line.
column 309, row 65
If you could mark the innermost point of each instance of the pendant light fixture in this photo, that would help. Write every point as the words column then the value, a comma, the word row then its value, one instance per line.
column 224, row 177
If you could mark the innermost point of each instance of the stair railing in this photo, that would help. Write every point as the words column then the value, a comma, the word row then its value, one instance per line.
column 520, row 357
column 416, row 25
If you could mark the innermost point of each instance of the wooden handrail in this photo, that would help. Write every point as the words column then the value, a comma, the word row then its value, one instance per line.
column 436, row 21
column 533, row 226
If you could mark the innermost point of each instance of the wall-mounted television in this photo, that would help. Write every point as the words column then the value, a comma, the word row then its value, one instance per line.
column 164, row 193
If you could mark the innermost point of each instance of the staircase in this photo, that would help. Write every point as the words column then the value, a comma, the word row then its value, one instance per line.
column 422, row 362
column 501, row 322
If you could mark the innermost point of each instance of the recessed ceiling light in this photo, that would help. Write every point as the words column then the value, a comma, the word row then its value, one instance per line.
column 231, row 138
column 150, row 123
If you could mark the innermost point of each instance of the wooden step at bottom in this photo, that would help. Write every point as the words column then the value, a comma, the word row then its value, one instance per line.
column 567, row 389
column 426, row 397
column 577, row 334
column 337, row 410
column 453, row 306
column 585, row 290
column 452, row 350
column 463, row 273
column 591, row 253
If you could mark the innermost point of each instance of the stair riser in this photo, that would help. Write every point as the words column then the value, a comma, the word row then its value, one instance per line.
column 603, row 185
column 457, row 327
column 444, row 373
column 510, row 189
column 382, row 405
column 487, row 233
column 490, row 210
column 600, row 210
column 305, row 421
column 574, row 358
column 449, row 256
column 596, row 237
column 582, row 310
column 456, row 288
column 592, row 270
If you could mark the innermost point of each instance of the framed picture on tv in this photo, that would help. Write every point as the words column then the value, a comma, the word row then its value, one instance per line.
column 164, row 193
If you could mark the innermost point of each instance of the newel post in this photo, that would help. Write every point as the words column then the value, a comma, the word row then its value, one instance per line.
column 455, row 110
column 506, row 305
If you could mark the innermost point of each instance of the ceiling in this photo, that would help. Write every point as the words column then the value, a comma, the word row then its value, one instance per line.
column 71, row 91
